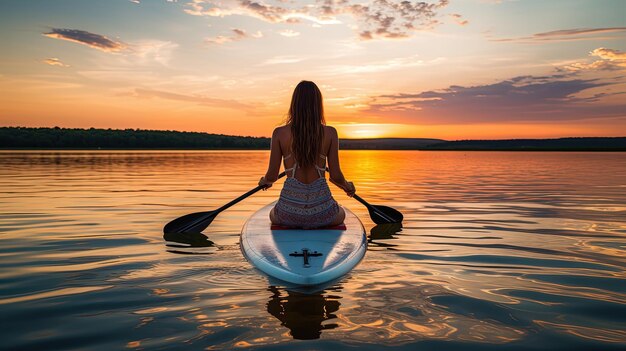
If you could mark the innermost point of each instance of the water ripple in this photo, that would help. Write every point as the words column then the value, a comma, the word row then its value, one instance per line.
column 497, row 251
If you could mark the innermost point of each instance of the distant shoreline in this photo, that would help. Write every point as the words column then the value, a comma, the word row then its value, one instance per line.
column 344, row 149
column 74, row 139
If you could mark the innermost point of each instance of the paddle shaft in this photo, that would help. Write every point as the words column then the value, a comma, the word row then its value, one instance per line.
column 260, row 187
column 224, row 207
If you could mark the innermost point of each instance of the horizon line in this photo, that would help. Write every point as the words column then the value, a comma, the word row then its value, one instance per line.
column 269, row 137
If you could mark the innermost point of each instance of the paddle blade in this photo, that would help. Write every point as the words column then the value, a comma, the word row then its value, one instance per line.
column 384, row 214
column 193, row 222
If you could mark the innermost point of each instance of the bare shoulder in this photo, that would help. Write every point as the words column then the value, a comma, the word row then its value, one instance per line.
column 281, row 132
column 330, row 131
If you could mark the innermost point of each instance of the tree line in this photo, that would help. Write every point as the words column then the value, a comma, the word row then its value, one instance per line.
column 92, row 138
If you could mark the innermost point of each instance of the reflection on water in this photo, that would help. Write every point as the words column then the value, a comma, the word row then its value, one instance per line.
column 497, row 249
column 303, row 314
column 188, row 243
column 380, row 233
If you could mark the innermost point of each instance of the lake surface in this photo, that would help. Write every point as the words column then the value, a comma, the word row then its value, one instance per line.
column 498, row 251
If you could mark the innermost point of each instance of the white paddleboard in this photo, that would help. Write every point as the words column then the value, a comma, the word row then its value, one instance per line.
column 281, row 253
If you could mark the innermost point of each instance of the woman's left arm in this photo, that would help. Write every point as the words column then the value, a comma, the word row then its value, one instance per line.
column 273, row 168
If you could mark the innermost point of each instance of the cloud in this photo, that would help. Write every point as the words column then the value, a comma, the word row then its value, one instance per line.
column 610, row 60
column 139, row 1
column 289, row 33
column 575, row 34
column 92, row 40
column 459, row 19
column 268, row 13
column 53, row 61
column 599, row 65
column 610, row 54
column 378, row 19
column 523, row 98
column 201, row 100
column 282, row 60
column 139, row 52
column 146, row 62
column 495, row 2
column 146, row 51
column 381, row 66
column 258, row 10
column 238, row 34
column 386, row 18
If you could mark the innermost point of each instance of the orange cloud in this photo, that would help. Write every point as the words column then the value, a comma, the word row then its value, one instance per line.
column 238, row 34
column 459, row 19
column 53, row 61
column 610, row 59
column 609, row 54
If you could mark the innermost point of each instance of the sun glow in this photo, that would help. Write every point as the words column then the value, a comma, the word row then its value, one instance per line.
column 370, row 130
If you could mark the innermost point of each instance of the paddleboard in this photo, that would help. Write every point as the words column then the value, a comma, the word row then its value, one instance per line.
column 303, row 256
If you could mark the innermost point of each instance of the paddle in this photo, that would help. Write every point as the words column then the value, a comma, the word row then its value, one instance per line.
column 198, row 221
column 381, row 214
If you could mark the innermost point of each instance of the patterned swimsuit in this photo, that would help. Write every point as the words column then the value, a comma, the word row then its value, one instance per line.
column 306, row 205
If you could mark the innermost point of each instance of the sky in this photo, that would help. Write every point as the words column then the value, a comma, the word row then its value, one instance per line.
column 449, row 69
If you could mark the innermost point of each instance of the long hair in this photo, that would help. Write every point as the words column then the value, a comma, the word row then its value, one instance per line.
column 306, row 115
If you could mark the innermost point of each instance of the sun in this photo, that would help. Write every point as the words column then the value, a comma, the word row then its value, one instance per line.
column 368, row 130
column 366, row 133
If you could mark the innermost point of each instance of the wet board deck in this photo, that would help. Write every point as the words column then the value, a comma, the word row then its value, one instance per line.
column 281, row 252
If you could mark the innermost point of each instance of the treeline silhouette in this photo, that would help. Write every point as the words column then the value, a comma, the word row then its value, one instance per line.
column 92, row 138
column 560, row 144
column 388, row 143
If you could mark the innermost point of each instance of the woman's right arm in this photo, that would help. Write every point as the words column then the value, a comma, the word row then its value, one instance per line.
column 274, row 163
column 336, row 176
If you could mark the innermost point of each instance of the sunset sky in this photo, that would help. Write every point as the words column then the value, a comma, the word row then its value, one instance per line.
column 457, row 69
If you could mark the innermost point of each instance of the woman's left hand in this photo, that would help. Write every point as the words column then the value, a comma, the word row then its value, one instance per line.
column 265, row 184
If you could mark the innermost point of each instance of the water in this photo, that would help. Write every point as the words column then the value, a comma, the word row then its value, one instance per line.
column 499, row 250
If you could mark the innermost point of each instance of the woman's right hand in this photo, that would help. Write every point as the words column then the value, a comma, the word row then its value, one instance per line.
column 349, row 188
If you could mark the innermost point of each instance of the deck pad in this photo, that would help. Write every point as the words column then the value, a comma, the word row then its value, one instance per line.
column 335, row 227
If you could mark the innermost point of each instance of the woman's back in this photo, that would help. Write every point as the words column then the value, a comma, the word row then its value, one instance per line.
column 307, row 174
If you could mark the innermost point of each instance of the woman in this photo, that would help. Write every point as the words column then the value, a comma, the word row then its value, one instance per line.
column 305, row 143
